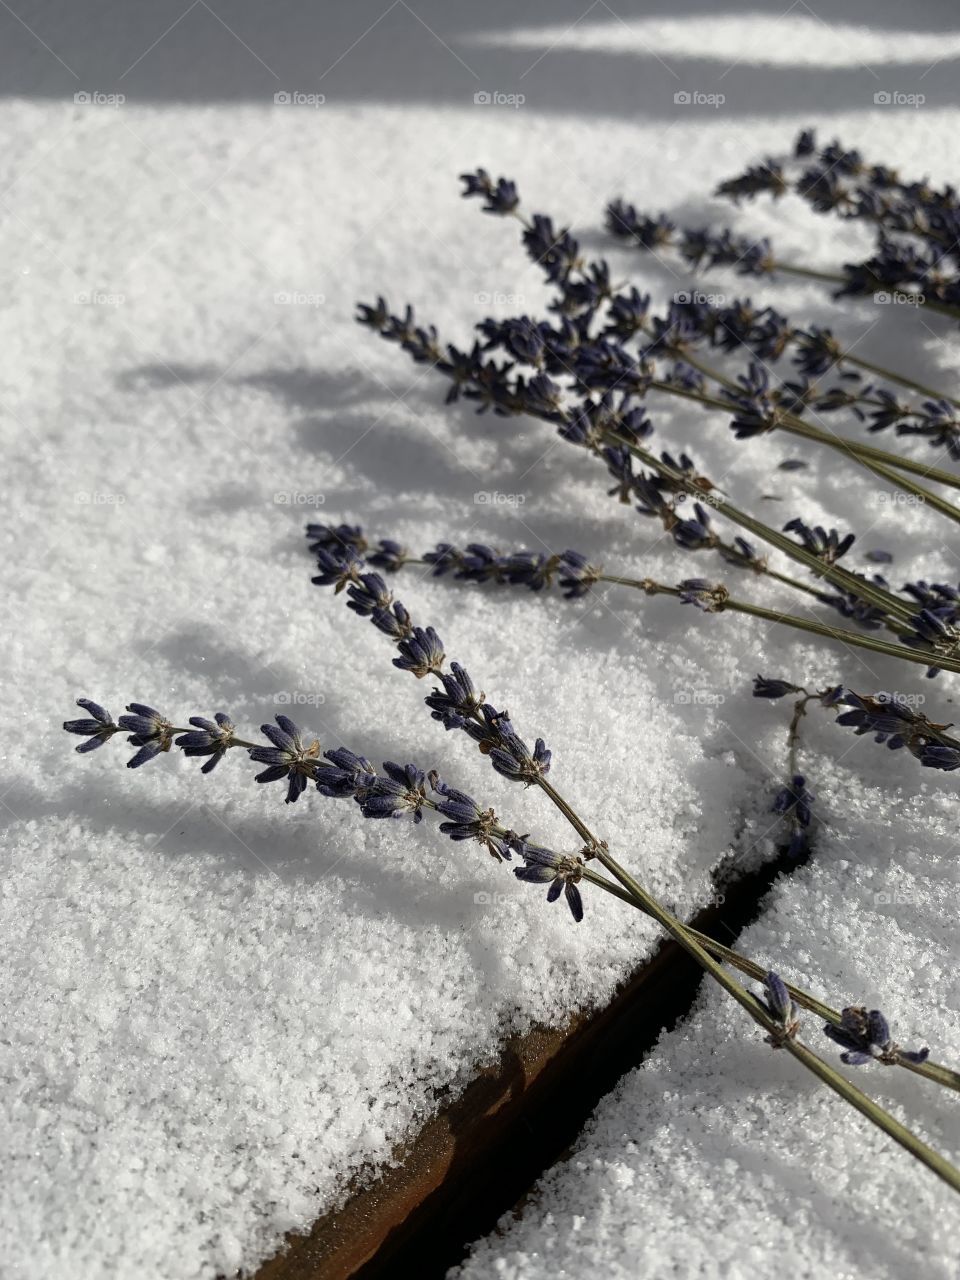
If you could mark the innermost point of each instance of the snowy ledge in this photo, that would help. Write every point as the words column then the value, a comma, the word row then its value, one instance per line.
column 196, row 1068
column 480, row 1153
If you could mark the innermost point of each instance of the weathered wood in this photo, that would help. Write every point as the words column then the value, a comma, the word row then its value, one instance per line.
column 516, row 1117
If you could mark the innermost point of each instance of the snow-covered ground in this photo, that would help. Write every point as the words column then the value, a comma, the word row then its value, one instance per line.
column 720, row 1158
column 217, row 1008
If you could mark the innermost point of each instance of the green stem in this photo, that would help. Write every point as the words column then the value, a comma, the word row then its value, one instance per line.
column 929, row 1070
column 793, row 732
column 861, row 641
column 924, row 495
column 581, row 828
column 833, row 1079
column 809, row 273
column 864, row 454
column 879, row 461
column 889, row 375
column 865, row 590
column 935, row 1162
column 900, row 378
column 792, row 582
column 831, row 277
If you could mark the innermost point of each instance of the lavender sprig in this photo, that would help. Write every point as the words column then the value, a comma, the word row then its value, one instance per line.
column 888, row 717
column 599, row 363
column 764, row 331
column 456, row 704
column 400, row 790
column 342, row 773
column 576, row 575
column 460, row 700
column 604, row 363
column 917, row 243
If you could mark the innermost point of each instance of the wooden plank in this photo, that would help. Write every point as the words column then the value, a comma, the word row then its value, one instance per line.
column 515, row 1118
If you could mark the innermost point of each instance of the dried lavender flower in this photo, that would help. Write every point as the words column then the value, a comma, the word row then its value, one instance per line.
column 793, row 804
column 893, row 722
column 826, row 546
column 341, row 539
column 148, row 730
column 467, row 821
column 389, row 555
column 338, row 569
column 421, row 652
column 398, row 791
column 368, row 593
column 287, row 758
column 211, row 738
column 772, row 687
column 500, row 196
column 779, row 1005
column 459, row 702
column 865, row 1037
column 98, row 729
column 341, row 773
column 709, row 597
column 561, row 872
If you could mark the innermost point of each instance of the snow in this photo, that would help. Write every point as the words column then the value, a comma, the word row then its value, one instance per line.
column 217, row 1009
column 796, row 37
column 719, row 1158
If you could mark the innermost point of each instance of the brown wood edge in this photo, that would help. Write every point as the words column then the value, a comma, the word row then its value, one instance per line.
column 341, row 1242
column 437, row 1170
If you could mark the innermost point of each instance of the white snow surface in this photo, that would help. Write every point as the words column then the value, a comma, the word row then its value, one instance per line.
column 216, row 1009
column 795, row 37
column 720, row 1158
